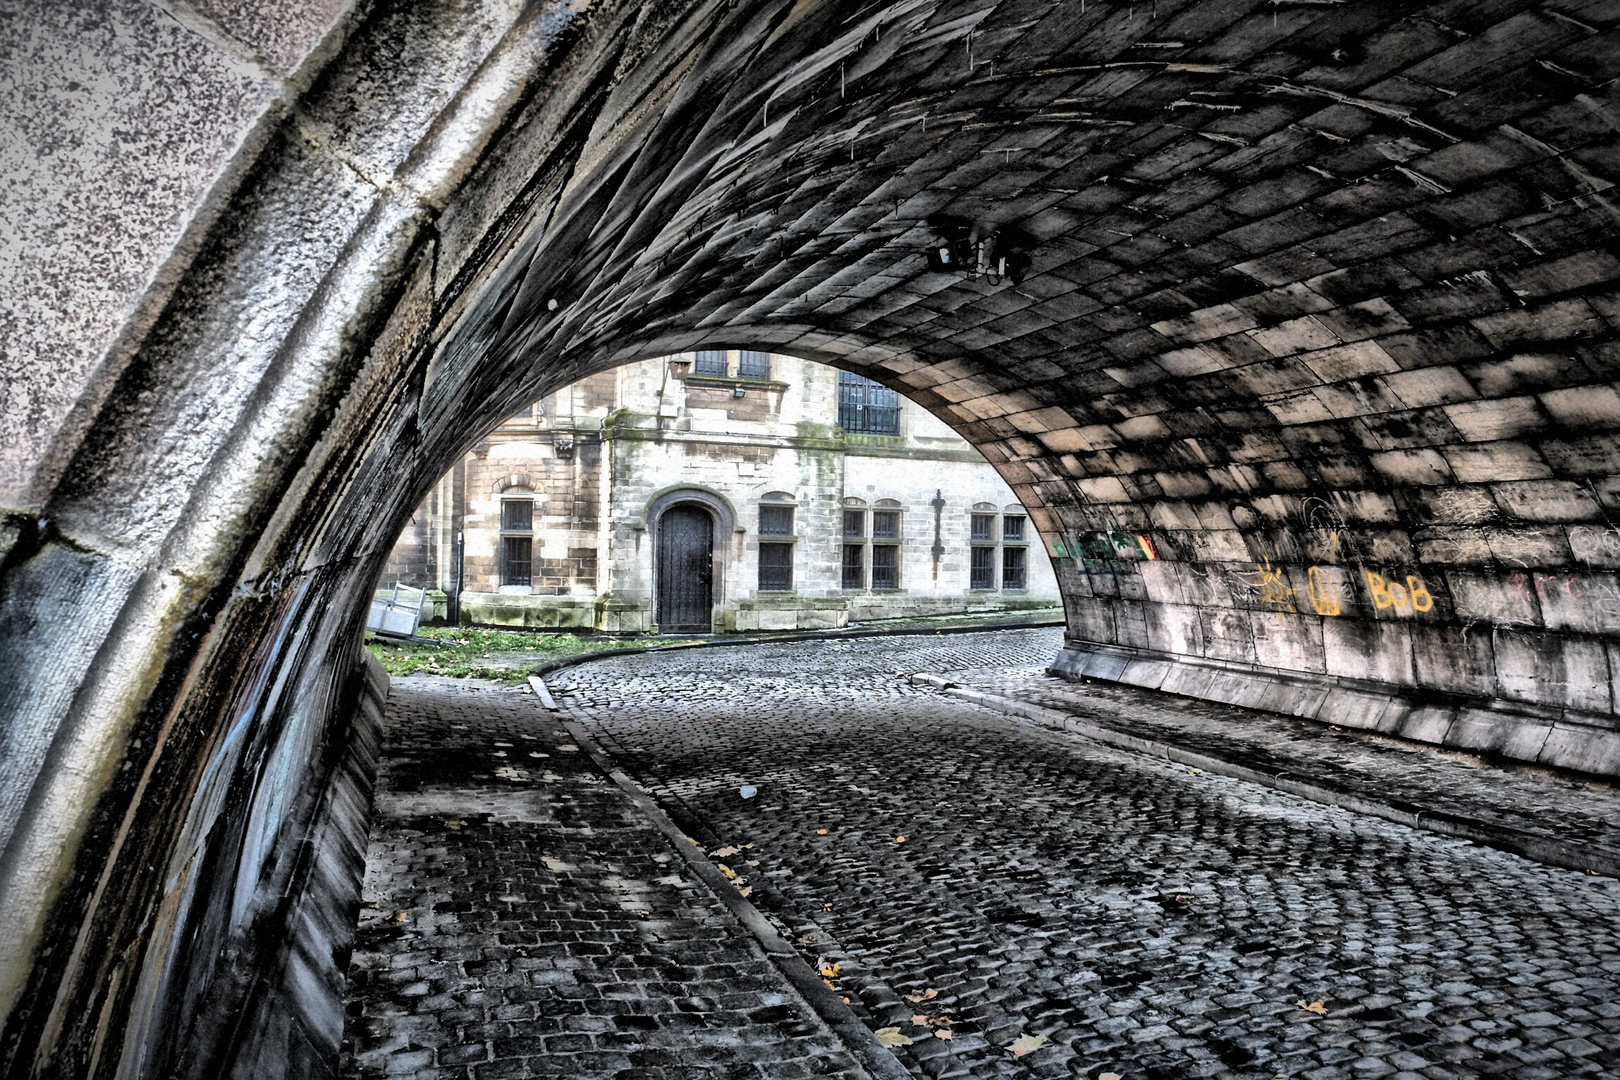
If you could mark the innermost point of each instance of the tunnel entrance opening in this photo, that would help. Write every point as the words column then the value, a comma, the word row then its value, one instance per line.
column 685, row 569
column 1350, row 255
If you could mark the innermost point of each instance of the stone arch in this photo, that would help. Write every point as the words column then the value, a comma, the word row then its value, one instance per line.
column 1257, row 370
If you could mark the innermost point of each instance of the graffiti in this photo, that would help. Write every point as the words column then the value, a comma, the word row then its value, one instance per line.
column 1106, row 547
column 1272, row 589
column 1324, row 593
column 1414, row 596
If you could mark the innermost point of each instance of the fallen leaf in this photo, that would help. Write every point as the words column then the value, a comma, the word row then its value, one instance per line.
column 829, row 969
column 1026, row 1044
column 745, row 890
column 846, row 1001
column 924, row 1020
column 751, row 862
column 454, row 823
column 1319, row 1007
column 826, row 906
column 900, row 839
column 402, row 916
column 722, row 852
column 1108, row 1076
column 890, row 1036
column 726, row 870
column 714, row 719
column 821, row 832
column 1196, row 772
column 927, row 995
column 942, row 1033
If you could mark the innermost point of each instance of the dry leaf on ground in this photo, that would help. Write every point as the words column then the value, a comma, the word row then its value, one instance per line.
column 926, row 995
column 821, row 832
column 890, row 1036
column 1109, row 1076
column 942, row 1033
column 900, row 839
column 1319, row 1007
column 722, row 852
column 726, row 870
column 1026, row 1044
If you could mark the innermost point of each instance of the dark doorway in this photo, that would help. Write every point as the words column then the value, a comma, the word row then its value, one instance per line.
column 686, row 570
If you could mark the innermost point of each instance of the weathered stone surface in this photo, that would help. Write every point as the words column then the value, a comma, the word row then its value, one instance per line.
column 1320, row 309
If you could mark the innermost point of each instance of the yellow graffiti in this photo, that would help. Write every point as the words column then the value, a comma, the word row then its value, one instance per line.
column 1324, row 593
column 1413, row 596
column 1273, row 588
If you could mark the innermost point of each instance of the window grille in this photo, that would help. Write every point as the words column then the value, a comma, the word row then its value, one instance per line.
column 866, row 407
column 984, row 527
column 710, row 362
column 854, row 566
column 753, row 365
column 776, row 521
column 982, row 569
column 1012, row 527
column 516, row 559
column 854, row 522
column 775, row 567
column 885, row 566
column 885, row 524
column 517, row 515
column 1013, row 563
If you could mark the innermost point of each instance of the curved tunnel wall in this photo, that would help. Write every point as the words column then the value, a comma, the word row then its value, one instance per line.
column 1308, row 387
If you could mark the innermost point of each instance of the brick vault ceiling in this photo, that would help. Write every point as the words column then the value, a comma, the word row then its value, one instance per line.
column 1262, row 232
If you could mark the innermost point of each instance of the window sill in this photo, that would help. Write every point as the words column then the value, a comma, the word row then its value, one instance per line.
column 747, row 382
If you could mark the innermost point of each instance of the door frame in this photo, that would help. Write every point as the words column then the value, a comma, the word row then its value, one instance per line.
column 725, row 527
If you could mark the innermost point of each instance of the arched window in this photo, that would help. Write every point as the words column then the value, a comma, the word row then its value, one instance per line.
column 517, row 537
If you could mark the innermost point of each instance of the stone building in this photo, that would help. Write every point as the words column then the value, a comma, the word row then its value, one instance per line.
column 722, row 490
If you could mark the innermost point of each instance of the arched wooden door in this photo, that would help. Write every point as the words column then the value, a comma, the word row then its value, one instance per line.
column 686, row 570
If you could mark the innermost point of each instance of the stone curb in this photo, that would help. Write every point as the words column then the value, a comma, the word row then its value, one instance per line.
column 769, row 639
column 856, row 1037
column 1533, row 846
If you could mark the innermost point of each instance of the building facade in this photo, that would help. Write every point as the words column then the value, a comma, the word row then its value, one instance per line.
column 720, row 491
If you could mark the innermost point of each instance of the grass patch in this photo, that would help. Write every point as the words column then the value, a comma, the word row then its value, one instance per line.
column 464, row 652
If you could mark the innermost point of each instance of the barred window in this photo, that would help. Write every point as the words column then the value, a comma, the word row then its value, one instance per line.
column 866, row 407
column 1014, row 560
column 517, row 515
column 775, row 567
column 776, row 521
column 885, row 566
column 516, row 560
column 984, row 527
column 753, row 365
column 885, row 524
column 982, row 568
column 710, row 362
column 854, row 576
column 1012, row 527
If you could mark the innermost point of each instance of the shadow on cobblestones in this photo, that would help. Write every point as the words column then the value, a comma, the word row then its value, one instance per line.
column 1144, row 918
column 523, row 920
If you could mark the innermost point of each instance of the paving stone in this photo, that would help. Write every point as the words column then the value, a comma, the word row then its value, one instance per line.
column 522, row 919
column 1048, row 885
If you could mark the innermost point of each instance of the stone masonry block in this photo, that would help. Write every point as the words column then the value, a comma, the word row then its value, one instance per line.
column 1376, row 651
column 1175, row 628
column 1227, row 635
column 1547, row 500
column 1486, row 731
column 1552, row 669
column 1595, row 545
column 1494, row 597
column 1580, row 602
column 1287, row 642
column 1508, row 460
column 1584, row 408
column 1586, row 749
column 1423, row 467
column 1529, row 547
column 1458, row 660
column 1353, row 361
column 1503, row 418
column 1429, row 386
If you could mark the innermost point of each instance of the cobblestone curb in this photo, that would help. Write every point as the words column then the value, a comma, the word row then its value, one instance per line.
column 857, row 1038
column 1322, row 789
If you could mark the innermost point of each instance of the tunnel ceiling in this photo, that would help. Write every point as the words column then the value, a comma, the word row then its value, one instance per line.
column 1275, row 247
column 1308, row 381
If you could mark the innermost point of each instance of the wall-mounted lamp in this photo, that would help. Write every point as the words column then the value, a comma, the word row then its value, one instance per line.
column 737, row 391
column 978, row 252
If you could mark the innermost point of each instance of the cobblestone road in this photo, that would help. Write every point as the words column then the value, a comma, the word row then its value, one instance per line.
column 1128, row 915
column 522, row 919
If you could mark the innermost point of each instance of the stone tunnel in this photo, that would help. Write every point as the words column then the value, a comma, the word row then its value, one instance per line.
column 1295, row 325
